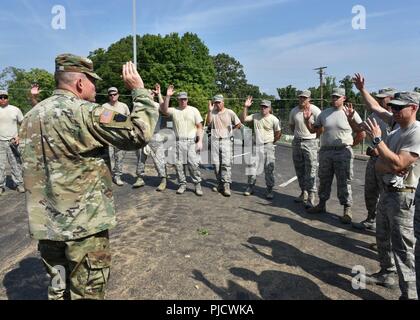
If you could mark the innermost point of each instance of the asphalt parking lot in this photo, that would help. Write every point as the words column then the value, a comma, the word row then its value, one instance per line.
column 169, row 246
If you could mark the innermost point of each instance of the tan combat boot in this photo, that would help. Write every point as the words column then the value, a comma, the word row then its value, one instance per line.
column 347, row 216
column 162, row 185
column 320, row 208
column 226, row 190
column 139, row 183
column 310, row 202
column 249, row 190
column 118, row 181
column 302, row 198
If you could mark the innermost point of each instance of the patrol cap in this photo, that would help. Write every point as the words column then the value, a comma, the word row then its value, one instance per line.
column 339, row 92
column 182, row 95
column 112, row 90
column 4, row 93
column 266, row 103
column 404, row 98
column 218, row 98
column 305, row 93
column 68, row 62
column 386, row 92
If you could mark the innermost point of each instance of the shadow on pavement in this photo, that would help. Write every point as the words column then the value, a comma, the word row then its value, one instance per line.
column 326, row 271
column 28, row 281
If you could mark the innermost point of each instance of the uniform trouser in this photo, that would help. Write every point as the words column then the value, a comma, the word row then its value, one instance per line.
column 265, row 154
column 395, row 238
column 158, row 156
column 187, row 155
column 118, row 160
column 222, row 158
column 338, row 163
column 305, row 160
column 6, row 154
column 79, row 269
column 417, row 235
column 372, row 188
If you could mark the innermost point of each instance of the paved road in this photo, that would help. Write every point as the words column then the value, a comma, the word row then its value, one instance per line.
column 169, row 246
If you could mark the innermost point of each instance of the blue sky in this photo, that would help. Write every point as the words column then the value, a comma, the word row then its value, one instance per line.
column 279, row 42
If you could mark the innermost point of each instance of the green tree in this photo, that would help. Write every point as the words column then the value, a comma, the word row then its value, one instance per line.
column 18, row 82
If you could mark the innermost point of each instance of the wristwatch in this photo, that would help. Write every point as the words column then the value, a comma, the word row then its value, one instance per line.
column 376, row 141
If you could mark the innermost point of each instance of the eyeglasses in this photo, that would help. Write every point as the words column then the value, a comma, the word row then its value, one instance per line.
column 398, row 108
column 4, row 97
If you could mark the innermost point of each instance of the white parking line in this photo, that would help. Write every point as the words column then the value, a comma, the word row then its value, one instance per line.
column 288, row 182
column 241, row 154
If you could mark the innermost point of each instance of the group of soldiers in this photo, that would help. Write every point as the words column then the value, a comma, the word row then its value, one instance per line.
column 65, row 142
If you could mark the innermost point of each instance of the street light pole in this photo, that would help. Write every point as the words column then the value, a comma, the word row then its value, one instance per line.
column 134, row 34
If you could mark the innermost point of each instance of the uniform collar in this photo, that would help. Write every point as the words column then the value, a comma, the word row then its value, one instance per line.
column 63, row 92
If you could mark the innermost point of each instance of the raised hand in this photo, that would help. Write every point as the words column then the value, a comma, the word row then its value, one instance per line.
column 359, row 81
column 248, row 102
column 349, row 110
column 211, row 106
column 35, row 90
column 157, row 89
column 170, row 91
column 372, row 128
column 131, row 77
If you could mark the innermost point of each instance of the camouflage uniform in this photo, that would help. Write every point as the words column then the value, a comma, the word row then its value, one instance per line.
column 6, row 155
column 222, row 158
column 305, row 160
column 265, row 156
column 417, row 235
column 336, row 161
column 187, row 155
column 158, row 156
column 67, row 174
column 118, row 156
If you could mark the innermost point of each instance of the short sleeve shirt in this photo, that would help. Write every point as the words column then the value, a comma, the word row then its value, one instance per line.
column 296, row 119
column 223, row 123
column 408, row 140
column 337, row 129
column 10, row 118
column 264, row 126
column 119, row 107
column 185, row 121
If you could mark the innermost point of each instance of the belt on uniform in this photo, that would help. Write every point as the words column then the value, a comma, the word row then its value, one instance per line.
column 334, row 148
column 185, row 139
column 393, row 189
column 303, row 139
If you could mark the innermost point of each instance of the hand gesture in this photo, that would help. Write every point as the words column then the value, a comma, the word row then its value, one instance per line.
column 157, row 89
column 307, row 114
column 211, row 106
column 35, row 90
column 349, row 110
column 372, row 128
column 359, row 81
column 131, row 77
column 248, row 102
column 199, row 146
column 170, row 91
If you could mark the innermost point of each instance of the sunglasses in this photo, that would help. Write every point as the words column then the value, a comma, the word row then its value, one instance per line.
column 4, row 97
column 113, row 94
column 398, row 108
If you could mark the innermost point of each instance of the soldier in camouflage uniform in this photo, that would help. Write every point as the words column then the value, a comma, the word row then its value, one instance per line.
column 222, row 121
column 372, row 180
column 267, row 133
column 398, row 165
column 155, row 149
column 10, row 119
column 417, row 236
column 117, row 154
column 305, row 149
column 336, row 153
column 188, row 130
column 65, row 141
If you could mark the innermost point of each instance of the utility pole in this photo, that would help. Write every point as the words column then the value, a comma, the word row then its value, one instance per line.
column 134, row 34
column 321, row 82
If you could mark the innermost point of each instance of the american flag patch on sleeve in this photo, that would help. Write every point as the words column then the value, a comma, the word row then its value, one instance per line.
column 106, row 116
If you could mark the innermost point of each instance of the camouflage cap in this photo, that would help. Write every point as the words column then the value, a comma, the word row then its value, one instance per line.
column 339, row 92
column 182, row 95
column 266, row 103
column 4, row 93
column 305, row 93
column 405, row 97
column 218, row 98
column 112, row 89
column 68, row 62
column 386, row 92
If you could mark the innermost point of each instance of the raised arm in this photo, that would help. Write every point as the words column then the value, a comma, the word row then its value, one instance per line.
column 210, row 109
column 370, row 102
column 244, row 113
column 169, row 93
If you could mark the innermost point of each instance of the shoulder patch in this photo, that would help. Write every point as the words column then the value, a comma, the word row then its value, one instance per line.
column 120, row 117
column 106, row 116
